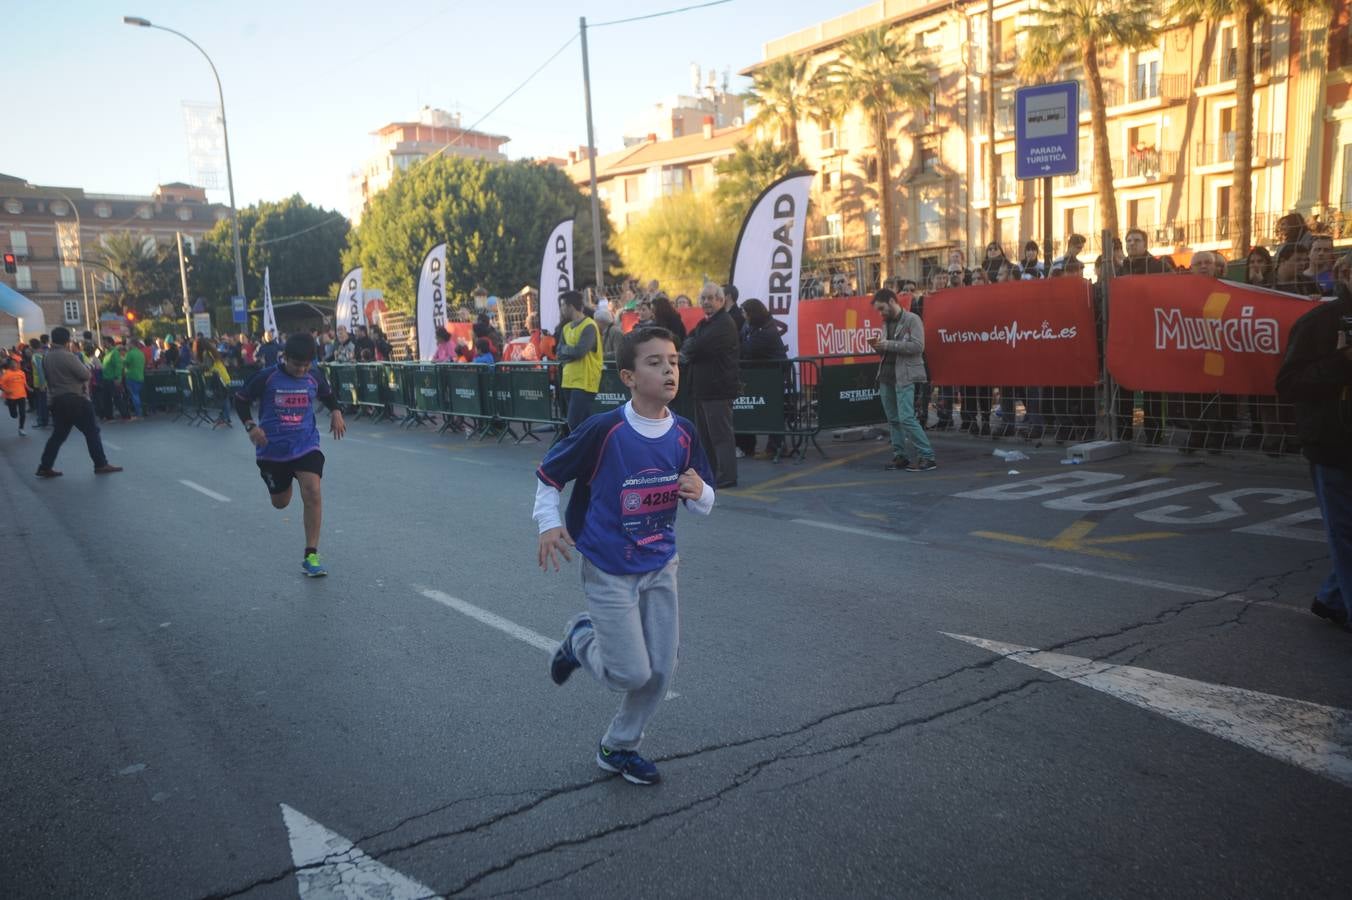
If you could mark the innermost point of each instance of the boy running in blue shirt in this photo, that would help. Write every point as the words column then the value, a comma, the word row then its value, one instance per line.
column 630, row 467
column 286, row 437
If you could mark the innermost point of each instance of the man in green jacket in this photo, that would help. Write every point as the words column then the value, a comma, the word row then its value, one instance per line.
column 134, row 375
column 110, row 380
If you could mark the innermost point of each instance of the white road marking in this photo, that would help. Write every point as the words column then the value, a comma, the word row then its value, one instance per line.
column 386, row 446
column 867, row 532
column 201, row 490
column 493, row 620
column 1168, row 586
column 111, row 446
column 1315, row 737
column 506, row 626
column 330, row 866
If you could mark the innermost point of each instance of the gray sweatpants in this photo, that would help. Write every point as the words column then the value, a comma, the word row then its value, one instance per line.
column 631, row 646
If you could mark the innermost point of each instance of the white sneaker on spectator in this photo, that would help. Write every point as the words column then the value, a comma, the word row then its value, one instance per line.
column 740, row 454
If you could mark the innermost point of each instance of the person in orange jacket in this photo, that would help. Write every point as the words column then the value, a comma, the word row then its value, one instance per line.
column 14, row 384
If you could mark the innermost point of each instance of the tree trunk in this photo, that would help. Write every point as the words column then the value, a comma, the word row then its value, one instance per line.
column 1241, row 211
column 793, row 138
column 992, row 161
column 1103, row 161
column 887, row 245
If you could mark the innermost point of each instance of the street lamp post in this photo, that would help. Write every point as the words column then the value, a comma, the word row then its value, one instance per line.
column 225, row 134
column 79, row 243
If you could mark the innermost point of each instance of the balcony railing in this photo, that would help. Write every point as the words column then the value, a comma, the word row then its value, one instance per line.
column 1265, row 146
column 1004, row 118
column 1226, row 68
column 1159, row 87
column 1082, row 180
column 1151, row 164
column 1112, row 93
column 1006, row 190
column 1222, row 228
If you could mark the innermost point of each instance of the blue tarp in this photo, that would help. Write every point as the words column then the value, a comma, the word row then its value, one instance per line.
column 20, row 307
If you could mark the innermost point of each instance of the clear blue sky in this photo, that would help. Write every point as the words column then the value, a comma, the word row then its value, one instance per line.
column 97, row 104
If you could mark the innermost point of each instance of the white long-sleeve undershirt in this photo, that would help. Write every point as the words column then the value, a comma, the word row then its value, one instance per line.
column 547, row 497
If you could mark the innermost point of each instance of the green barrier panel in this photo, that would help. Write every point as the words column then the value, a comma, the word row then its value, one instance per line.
column 392, row 383
column 759, row 409
column 344, row 383
column 531, row 398
column 612, row 394
column 466, row 391
column 500, row 389
column 684, row 404
column 369, row 385
column 185, row 381
column 426, row 389
column 241, row 375
column 161, row 389
column 847, row 396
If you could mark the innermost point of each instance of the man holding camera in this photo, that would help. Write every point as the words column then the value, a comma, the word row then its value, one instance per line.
column 902, row 346
column 1316, row 376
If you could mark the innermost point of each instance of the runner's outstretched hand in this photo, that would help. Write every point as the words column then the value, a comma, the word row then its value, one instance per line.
column 691, row 486
column 555, row 541
column 337, row 425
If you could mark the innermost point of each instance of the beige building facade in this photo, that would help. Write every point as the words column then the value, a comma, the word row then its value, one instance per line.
column 399, row 145
column 1171, row 128
column 56, row 235
column 631, row 181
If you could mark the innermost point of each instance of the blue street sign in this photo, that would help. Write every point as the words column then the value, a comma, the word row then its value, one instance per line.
column 237, row 308
column 1047, row 130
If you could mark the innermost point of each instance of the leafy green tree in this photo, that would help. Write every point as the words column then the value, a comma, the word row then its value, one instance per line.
column 1246, row 14
column 1065, row 32
column 873, row 74
column 495, row 219
column 300, row 243
column 781, row 94
column 681, row 241
column 145, row 271
column 750, row 170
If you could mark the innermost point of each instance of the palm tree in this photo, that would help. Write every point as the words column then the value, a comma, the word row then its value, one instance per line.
column 779, row 92
column 752, row 168
column 1064, row 32
column 1246, row 13
column 139, row 266
column 872, row 74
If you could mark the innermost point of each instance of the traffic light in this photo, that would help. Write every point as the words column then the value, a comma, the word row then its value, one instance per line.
column 11, row 263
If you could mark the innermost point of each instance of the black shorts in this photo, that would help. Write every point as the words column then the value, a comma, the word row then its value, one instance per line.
column 277, row 474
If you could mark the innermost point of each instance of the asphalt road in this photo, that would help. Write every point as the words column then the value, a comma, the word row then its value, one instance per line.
column 185, row 715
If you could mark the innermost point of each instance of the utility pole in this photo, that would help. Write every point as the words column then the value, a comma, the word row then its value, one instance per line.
column 591, row 163
column 183, row 274
column 992, row 173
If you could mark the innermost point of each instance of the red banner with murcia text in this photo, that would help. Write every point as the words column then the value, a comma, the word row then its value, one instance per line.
column 1190, row 334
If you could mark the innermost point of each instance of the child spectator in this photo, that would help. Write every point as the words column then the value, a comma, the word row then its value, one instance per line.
column 14, row 384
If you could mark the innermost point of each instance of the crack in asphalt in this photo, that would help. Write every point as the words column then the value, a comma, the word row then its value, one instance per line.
column 749, row 774
column 1270, row 583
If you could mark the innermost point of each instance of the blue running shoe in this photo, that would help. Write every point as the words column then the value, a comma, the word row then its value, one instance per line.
column 634, row 768
column 313, row 567
column 564, row 663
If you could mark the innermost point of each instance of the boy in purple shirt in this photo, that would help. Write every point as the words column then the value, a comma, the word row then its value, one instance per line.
column 286, row 437
column 631, row 467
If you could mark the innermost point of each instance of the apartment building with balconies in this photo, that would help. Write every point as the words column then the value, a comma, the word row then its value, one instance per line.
column 1170, row 114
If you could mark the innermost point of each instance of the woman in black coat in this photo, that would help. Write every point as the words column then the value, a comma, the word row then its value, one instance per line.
column 762, row 343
